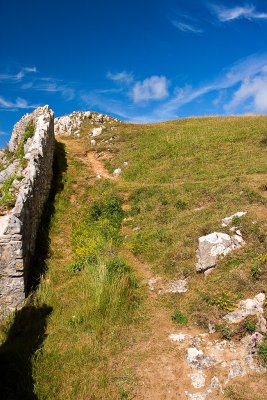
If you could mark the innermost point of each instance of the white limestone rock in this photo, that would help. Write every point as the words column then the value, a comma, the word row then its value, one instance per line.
column 197, row 359
column 70, row 124
column 179, row 337
column 236, row 369
column 97, row 131
column 215, row 384
column 198, row 379
column 179, row 286
column 248, row 307
column 227, row 220
column 214, row 245
column 117, row 171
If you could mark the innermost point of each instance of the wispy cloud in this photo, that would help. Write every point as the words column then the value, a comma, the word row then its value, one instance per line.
column 249, row 74
column 93, row 100
column 19, row 76
column 20, row 103
column 186, row 27
column 251, row 94
column 152, row 88
column 51, row 85
column 122, row 77
column 249, row 12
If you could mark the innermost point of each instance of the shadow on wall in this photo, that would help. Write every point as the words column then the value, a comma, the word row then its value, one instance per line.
column 24, row 338
column 38, row 265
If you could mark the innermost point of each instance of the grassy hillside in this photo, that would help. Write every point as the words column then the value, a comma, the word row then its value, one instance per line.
column 108, row 236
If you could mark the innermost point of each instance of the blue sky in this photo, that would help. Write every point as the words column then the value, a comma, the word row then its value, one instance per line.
column 139, row 60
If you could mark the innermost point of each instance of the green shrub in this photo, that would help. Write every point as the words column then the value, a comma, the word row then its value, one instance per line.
column 249, row 326
column 263, row 352
column 180, row 318
column 7, row 198
column 28, row 133
column 180, row 204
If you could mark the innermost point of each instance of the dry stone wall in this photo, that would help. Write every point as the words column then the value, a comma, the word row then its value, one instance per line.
column 19, row 226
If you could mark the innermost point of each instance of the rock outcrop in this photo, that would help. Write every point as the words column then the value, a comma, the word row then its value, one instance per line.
column 70, row 124
column 31, row 176
column 214, row 245
column 249, row 307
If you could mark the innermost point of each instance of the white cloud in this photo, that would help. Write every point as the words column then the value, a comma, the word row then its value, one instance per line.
column 186, row 27
column 122, row 77
column 248, row 68
column 252, row 92
column 18, row 104
column 153, row 88
column 249, row 12
column 112, row 106
column 19, row 76
column 51, row 85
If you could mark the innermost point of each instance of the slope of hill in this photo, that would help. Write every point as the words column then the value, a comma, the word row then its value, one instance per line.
column 131, row 317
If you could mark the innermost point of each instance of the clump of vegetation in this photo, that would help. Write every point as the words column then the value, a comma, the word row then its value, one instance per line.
column 29, row 132
column 260, row 266
column 225, row 331
column 180, row 204
column 179, row 318
column 224, row 300
column 7, row 198
column 263, row 352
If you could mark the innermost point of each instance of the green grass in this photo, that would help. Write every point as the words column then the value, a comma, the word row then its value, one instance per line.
column 29, row 132
column 7, row 198
column 182, row 178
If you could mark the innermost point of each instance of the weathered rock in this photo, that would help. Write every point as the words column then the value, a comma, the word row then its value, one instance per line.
column 227, row 220
column 161, row 286
column 215, row 384
column 117, row 171
column 18, row 228
column 70, row 124
column 179, row 286
column 236, row 369
column 214, row 245
column 249, row 307
column 197, row 359
column 9, row 171
column 97, row 131
column 179, row 337
column 198, row 379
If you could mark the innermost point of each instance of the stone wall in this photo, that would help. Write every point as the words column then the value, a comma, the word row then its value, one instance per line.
column 19, row 226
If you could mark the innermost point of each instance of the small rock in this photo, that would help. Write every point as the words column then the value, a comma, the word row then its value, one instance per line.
column 198, row 379
column 245, row 308
column 211, row 327
column 152, row 282
column 179, row 337
column 179, row 286
column 236, row 369
column 93, row 142
column 97, row 131
column 227, row 220
column 197, row 359
column 117, row 172
column 214, row 245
